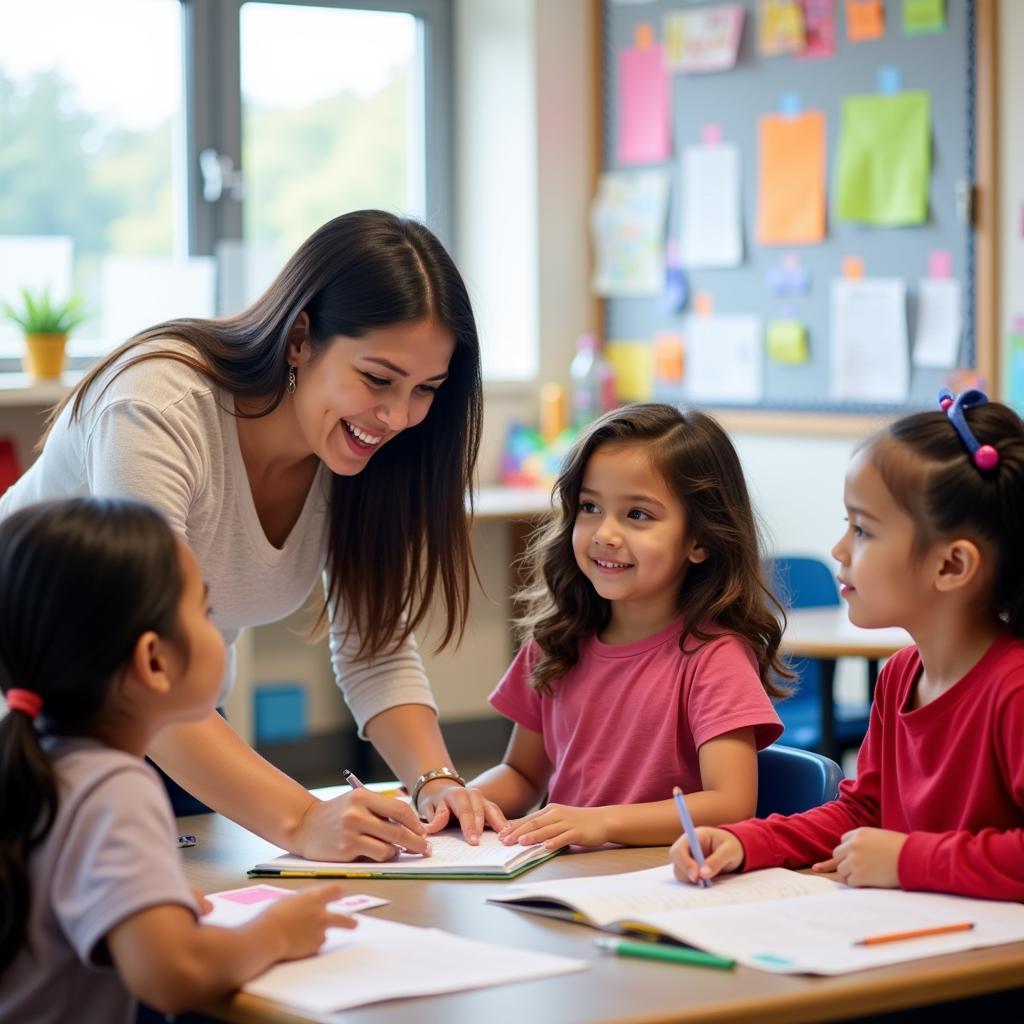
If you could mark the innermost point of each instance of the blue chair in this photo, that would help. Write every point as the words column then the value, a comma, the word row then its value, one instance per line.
column 790, row 780
column 809, row 583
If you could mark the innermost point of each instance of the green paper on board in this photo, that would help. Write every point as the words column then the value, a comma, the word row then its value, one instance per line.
column 884, row 159
column 787, row 342
column 924, row 16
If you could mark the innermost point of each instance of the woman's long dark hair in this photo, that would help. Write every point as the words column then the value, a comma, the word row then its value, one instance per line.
column 700, row 466
column 931, row 476
column 399, row 529
column 80, row 581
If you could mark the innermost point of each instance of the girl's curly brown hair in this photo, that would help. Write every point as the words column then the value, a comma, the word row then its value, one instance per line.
column 695, row 457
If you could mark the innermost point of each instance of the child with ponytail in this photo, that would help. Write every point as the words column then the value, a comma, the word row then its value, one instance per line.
column 105, row 638
column 935, row 544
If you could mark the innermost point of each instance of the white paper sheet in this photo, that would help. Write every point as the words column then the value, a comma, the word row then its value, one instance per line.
column 724, row 359
column 711, row 232
column 868, row 328
column 381, row 960
column 939, row 325
column 627, row 220
column 819, row 934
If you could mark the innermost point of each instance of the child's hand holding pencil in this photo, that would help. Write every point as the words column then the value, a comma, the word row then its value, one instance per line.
column 723, row 852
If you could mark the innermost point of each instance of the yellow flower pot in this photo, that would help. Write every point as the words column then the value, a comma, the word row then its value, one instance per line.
column 44, row 355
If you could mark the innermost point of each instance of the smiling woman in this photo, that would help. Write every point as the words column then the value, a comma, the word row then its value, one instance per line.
column 274, row 441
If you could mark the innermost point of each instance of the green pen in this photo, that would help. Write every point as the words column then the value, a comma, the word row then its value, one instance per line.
column 655, row 951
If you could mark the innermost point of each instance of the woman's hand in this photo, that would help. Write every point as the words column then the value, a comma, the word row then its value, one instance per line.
column 722, row 852
column 867, row 857
column 360, row 824
column 557, row 825
column 301, row 920
column 439, row 799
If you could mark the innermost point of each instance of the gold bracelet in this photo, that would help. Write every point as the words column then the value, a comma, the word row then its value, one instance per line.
column 436, row 773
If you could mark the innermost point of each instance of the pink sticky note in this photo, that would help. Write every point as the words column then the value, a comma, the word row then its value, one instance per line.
column 254, row 894
column 940, row 263
column 643, row 106
column 819, row 28
column 711, row 134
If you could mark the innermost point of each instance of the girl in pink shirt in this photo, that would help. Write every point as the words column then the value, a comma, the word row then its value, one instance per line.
column 935, row 544
column 651, row 642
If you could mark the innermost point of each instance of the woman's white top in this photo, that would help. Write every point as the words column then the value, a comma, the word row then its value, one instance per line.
column 164, row 433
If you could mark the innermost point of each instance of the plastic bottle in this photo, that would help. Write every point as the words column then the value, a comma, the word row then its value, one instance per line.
column 592, row 381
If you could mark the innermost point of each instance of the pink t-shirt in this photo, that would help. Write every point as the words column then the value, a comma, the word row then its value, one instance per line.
column 626, row 721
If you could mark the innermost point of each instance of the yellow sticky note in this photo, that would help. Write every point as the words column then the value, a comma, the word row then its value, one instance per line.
column 633, row 364
column 853, row 268
column 787, row 342
column 669, row 357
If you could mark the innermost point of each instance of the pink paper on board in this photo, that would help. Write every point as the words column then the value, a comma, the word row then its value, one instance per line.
column 255, row 894
column 819, row 28
column 940, row 264
column 711, row 134
column 643, row 106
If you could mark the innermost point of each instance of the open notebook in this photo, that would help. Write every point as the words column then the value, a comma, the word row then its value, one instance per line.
column 775, row 920
column 452, row 857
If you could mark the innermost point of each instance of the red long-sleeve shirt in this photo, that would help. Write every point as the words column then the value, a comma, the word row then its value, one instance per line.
column 949, row 774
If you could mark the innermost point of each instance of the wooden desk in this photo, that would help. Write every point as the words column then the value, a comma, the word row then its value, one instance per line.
column 622, row 990
column 827, row 634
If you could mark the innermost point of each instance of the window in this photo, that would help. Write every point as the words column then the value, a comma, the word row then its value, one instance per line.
column 90, row 140
column 164, row 157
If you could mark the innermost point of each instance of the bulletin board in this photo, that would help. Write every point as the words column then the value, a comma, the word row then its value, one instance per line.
column 955, row 239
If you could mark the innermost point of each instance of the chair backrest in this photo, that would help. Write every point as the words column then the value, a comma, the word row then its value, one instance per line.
column 791, row 780
column 803, row 582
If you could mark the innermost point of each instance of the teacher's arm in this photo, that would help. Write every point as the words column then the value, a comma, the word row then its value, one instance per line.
column 394, row 709
column 409, row 738
column 214, row 763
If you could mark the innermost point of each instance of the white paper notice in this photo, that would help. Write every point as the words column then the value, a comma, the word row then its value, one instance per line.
column 628, row 223
column 937, row 341
column 870, row 361
column 724, row 359
column 711, row 234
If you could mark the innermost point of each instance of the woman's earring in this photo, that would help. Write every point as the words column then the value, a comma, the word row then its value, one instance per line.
column 291, row 380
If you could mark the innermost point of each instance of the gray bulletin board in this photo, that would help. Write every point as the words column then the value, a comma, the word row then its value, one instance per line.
column 943, row 64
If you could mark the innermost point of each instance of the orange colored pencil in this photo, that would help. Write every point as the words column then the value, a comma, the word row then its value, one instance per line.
column 919, row 933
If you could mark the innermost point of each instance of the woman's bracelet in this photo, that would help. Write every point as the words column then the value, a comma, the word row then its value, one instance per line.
column 436, row 773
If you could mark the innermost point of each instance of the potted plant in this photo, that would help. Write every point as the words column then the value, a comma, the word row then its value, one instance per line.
column 47, row 324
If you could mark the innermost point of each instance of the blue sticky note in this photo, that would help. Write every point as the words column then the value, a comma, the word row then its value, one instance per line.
column 790, row 104
column 890, row 80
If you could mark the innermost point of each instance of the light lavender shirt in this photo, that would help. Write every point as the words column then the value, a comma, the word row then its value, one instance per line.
column 110, row 854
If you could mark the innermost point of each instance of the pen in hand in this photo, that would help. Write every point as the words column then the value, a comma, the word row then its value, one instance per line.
column 354, row 781
column 691, row 833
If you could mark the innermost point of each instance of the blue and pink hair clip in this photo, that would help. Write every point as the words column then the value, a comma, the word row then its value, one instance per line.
column 984, row 456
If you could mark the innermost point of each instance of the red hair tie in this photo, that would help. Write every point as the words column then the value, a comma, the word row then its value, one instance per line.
column 24, row 700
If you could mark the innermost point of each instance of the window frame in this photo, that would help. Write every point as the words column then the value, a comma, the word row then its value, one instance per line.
column 213, row 108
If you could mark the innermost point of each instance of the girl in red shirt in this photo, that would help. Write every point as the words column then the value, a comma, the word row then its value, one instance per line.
column 934, row 543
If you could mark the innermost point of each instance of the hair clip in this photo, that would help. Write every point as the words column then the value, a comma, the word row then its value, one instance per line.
column 984, row 456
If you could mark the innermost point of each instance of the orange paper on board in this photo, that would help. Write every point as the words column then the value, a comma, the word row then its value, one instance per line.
column 852, row 268
column 865, row 19
column 791, row 179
